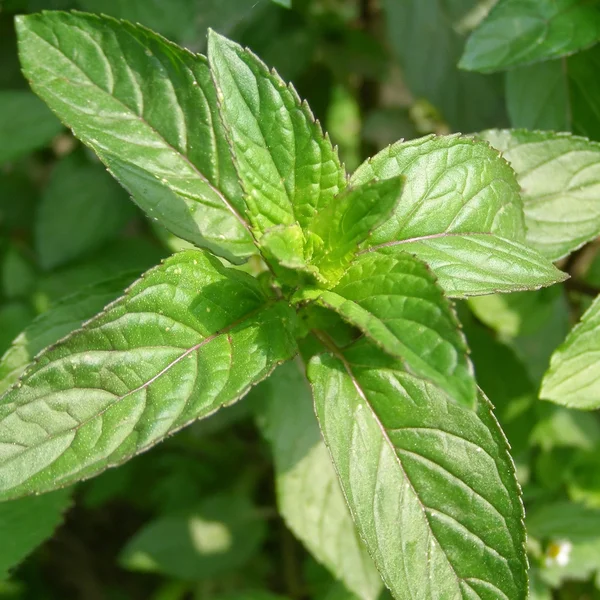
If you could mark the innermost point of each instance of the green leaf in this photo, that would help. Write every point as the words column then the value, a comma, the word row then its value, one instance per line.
column 337, row 231
column 521, row 32
column 288, row 168
column 18, row 275
column 66, row 316
column 284, row 3
column 395, row 301
column 430, row 484
column 153, row 362
column 428, row 37
column 452, row 185
column 218, row 536
column 558, row 95
column 573, row 378
column 149, row 110
column 559, row 176
column 309, row 497
column 26, row 124
column 81, row 208
column 26, row 523
column 479, row 263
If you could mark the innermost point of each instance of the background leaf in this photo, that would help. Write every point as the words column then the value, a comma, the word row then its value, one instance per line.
column 152, row 363
column 520, row 32
column 559, row 176
column 573, row 378
column 27, row 522
column 218, row 536
column 82, row 208
column 558, row 95
column 428, row 38
column 308, row 494
column 26, row 124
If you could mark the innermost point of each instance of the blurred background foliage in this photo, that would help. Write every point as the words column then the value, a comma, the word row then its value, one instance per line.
column 196, row 517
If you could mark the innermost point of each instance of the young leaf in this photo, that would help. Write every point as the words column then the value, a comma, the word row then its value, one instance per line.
column 478, row 263
column 452, row 185
column 395, row 301
column 308, row 494
column 288, row 168
column 337, row 231
column 148, row 109
column 25, row 523
column 430, row 484
column 573, row 378
column 521, row 32
column 82, row 208
column 557, row 95
column 559, row 176
column 67, row 315
column 187, row 338
column 26, row 124
column 218, row 536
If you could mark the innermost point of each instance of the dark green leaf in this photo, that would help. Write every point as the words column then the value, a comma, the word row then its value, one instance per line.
column 558, row 95
column 395, row 301
column 26, row 124
column 573, row 378
column 559, row 175
column 154, row 361
column 288, row 168
column 18, row 275
column 428, row 38
column 430, row 484
column 26, row 523
column 308, row 494
column 521, row 32
column 148, row 109
column 217, row 537
column 13, row 318
column 60, row 320
column 82, row 207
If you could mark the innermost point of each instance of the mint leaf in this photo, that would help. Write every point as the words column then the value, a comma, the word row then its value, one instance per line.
column 216, row 537
column 27, row 522
column 559, row 176
column 149, row 110
column 288, row 168
column 573, row 378
column 81, row 208
column 65, row 316
column 395, row 301
column 479, row 263
column 430, row 484
column 521, row 32
column 309, row 496
column 337, row 231
column 26, row 124
column 452, row 185
column 558, row 95
column 154, row 361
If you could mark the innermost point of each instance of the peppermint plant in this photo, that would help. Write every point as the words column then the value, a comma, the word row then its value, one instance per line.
column 349, row 279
